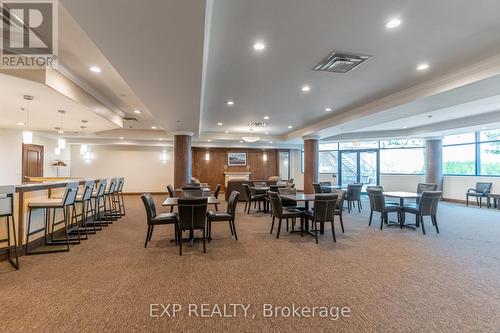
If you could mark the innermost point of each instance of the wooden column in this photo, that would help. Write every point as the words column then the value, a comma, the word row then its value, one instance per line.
column 434, row 162
column 182, row 159
column 311, row 163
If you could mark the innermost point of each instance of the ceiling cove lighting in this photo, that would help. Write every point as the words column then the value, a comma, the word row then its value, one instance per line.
column 393, row 23
column 422, row 67
column 259, row 46
column 251, row 138
column 305, row 88
column 95, row 69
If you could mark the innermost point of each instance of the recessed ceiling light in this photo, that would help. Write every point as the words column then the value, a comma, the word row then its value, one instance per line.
column 230, row 103
column 395, row 22
column 209, row 140
column 328, row 109
column 306, row 88
column 259, row 46
column 422, row 67
column 270, row 142
column 154, row 127
column 20, row 123
column 266, row 133
column 290, row 126
column 121, row 138
column 137, row 111
column 95, row 69
column 241, row 141
column 405, row 126
column 160, row 139
column 226, row 132
column 219, row 124
column 266, row 117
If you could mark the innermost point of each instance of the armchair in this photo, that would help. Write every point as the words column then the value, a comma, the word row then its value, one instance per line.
column 481, row 191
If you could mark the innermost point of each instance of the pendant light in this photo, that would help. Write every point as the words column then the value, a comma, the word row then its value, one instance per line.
column 61, row 142
column 27, row 135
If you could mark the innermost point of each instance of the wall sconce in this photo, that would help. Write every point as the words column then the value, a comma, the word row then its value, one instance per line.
column 57, row 151
column 83, row 149
column 61, row 143
column 264, row 157
column 27, row 137
column 207, row 156
column 88, row 156
column 164, row 156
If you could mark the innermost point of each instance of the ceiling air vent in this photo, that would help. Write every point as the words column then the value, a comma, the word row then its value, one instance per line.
column 257, row 124
column 338, row 62
column 130, row 119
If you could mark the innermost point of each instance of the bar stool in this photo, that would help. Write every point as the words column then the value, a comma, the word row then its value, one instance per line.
column 119, row 194
column 110, row 211
column 99, row 204
column 67, row 202
column 7, row 211
column 85, row 217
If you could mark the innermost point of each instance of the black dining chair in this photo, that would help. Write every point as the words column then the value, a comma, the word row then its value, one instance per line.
column 421, row 187
column 7, row 214
column 426, row 207
column 192, row 216
column 317, row 188
column 171, row 193
column 279, row 213
column 324, row 212
column 192, row 193
column 253, row 197
column 339, row 207
column 158, row 219
column 377, row 204
column 325, row 187
column 228, row 216
column 289, row 203
column 353, row 196
column 482, row 190
column 216, row 194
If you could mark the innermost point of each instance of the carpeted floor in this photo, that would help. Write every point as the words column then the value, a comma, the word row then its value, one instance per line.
column 391, row 280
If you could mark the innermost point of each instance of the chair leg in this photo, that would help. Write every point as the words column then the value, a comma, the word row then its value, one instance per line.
column 279, row 229
column 316, row 232
column 147, row 236
column 204, row 244
column 421, row 218
column 341, row 223
column 272, row 226
column 434, row 220
column 216, row 208
column 234, row 230
column 466, row 200
column 180, row 239
column 176, row 234
column 286, row 225
column 302, row 223
column 381, row 220
column 359, row 206
column 371, row 216
column 151, row 232
column 333, row 231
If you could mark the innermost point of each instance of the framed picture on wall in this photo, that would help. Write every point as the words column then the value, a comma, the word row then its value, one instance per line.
column 236, row 159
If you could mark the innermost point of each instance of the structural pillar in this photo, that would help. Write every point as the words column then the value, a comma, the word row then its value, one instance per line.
column 182, row 158
column 434, row 162
column 311, row 162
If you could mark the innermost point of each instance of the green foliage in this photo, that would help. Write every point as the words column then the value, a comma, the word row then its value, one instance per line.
column 459, row 168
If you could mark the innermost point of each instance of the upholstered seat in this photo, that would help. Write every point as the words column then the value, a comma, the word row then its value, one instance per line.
column 164, row 217
column 219, row 216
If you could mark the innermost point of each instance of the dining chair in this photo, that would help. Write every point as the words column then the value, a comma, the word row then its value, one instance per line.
column 7, row 214
column 353, row 196
column 192, row 216
column 171, row 194
column 426, row 207
column 216, row 194
column 324, row 212
column 421, row 187
column 228, row 216
column 289, row 203
column 259, row 184
column 192, row 193
column 378, row 204
column 340, row 206
column 482, row 190
column 279, row 213
column 317, row 188
column 152, row 218
column 252, row 197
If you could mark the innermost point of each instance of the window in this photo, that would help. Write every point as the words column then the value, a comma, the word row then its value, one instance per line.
column 329, row 146
column 358, row 145
column 329, row 161
column 490, row 158
column 407, row 161
column 459, row 160
column 459, row 139
column 490, row 136
column 404, row 143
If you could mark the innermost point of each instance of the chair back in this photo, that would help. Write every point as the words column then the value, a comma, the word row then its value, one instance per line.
column 112, row 185
column 287, row 191
column 70, row 194
column 260, row 184
column 289, row 181
column 232, row 202
column 171, row 191
column 7, row 200
column 324, row 207
column 421, row 187
column 375, row 187
column 483, row 187
column 340, row 199
column 276, row 204
column 102, row 187
column 192, row 193
column 325, row 189
column 192, row 212
column 248, row 191
column 354, row 191
column 88, row 188
column 377, row 200
column 217, row 190
column 121, row 182
column 429, row 202
column 317, row 188
column 149, row 205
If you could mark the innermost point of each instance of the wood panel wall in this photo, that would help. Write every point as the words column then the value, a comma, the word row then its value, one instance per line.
column 212, row 171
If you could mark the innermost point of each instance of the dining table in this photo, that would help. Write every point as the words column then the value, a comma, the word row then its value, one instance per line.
column 305, row 198
column 401, row 195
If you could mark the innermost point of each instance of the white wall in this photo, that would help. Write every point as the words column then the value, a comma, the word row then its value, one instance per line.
column 141, row 166
column 11, row 152
column 50, row 157
column 406, row 183
column 454, row 187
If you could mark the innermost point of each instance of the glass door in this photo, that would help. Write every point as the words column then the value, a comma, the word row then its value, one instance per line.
column 284, row 165
column 359, row 166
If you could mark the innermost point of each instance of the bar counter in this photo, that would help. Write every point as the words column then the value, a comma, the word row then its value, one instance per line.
column 36, row 189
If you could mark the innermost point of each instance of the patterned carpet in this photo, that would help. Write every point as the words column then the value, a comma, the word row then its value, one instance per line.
column 391, row 281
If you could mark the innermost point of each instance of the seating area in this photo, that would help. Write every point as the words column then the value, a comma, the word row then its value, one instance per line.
column 250, row 166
